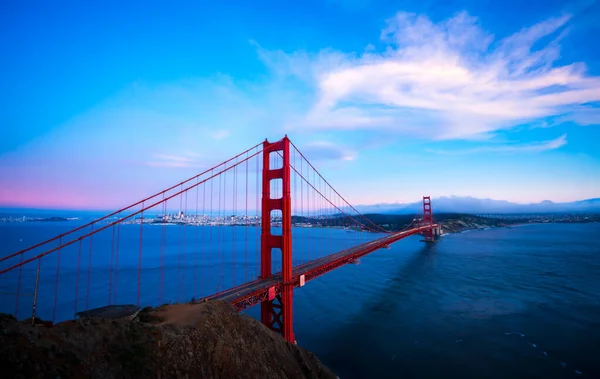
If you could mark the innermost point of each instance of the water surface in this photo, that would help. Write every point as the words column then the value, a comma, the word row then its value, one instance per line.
column 502, row 303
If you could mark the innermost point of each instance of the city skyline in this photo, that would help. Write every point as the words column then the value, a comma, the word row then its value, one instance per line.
column 105, row 104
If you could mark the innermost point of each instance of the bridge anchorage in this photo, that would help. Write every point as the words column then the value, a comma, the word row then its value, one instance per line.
column 209, row 245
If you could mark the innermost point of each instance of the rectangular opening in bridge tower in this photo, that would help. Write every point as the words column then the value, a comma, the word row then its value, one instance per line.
column 277, row 313
column 427, row 218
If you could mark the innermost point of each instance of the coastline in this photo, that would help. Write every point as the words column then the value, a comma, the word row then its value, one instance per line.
column 471, row 228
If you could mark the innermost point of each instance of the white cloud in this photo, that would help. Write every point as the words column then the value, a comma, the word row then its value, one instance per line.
column 325, row 150
column 192, row 154
column 585, row 116
column 509, row 148
column 175, row 158
column 448, row 80
column 220, row 134
column 171, row 164
column 188, row 160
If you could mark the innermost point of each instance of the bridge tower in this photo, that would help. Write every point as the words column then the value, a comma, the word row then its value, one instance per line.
column 277, row 312
column 427, row 218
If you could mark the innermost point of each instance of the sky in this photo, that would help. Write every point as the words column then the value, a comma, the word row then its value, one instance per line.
column 103, row 103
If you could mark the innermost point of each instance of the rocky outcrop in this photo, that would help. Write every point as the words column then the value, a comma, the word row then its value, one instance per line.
column 208, row 340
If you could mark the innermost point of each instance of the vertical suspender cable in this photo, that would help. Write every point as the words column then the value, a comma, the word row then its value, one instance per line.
column 77, row 278
column 117, row 258
column 246, row 225
column 87, row 293
column 139, row 273
column 56, row 282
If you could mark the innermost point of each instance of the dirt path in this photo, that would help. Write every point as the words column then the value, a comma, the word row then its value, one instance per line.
column 182, row 314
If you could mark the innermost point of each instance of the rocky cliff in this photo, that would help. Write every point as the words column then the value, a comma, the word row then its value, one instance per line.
column 208, row 340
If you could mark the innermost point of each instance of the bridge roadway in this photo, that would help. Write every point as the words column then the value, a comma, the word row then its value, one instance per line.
column 254, row 292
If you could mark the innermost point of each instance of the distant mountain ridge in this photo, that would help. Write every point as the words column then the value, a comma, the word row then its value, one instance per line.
column 472, row 205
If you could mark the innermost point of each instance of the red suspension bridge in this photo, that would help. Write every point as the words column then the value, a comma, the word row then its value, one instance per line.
column 247, row 231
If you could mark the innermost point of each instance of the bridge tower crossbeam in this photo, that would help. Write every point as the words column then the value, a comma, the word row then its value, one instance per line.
column 277, row 312
column 427, row 219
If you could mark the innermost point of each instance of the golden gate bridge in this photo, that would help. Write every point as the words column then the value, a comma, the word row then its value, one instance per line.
column 260, row 208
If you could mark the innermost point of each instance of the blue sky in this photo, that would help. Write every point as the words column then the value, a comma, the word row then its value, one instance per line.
column 102, row 104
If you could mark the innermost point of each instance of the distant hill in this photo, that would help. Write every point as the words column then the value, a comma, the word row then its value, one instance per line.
column 472, row 205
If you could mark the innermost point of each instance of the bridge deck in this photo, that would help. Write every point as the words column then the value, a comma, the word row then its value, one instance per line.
column 254, row 292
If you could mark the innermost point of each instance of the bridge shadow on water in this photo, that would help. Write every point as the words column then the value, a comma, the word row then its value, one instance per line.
column 424, row 321
column 372, row 343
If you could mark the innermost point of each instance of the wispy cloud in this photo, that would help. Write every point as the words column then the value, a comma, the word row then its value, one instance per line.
column 171, row 164
column 220, row 134
column 192, row 154
column 585, row 116
column 450, row 80
column 325, row 150
column 189, row 160
column 172, row 158
column 509, row 148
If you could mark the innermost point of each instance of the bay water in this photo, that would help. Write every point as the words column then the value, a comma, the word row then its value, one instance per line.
column 520, row 302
